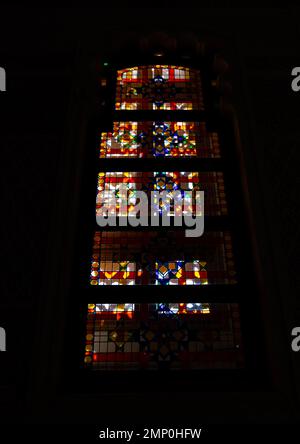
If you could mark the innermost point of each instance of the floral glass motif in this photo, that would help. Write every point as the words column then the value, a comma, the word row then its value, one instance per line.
column 128, row 139
column 159, row 139
column 143, row 258
column 172, row 139
column 181, row 273
column 183, row 308
column 212, row 183
column 116, row 273
column 160, row 87
column 163, row 336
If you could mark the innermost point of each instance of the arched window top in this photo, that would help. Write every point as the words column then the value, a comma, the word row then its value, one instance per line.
column 166, row 71
column 159, row 87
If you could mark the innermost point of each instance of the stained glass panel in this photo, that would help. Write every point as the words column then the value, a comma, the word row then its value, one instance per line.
column 180, row 273
column 159, row 139
column 161, row 258
column 159, row 87
column 212, row 183
column 163, row 336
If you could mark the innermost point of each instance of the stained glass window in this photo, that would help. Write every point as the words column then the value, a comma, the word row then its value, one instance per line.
column 159, row 87
column 163, row 336
column 159, row 139
column 212, row 183
column 168, row 258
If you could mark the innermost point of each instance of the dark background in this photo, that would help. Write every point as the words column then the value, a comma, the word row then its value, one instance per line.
column 49, row 57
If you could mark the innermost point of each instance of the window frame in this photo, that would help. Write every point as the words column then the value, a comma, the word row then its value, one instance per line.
column 236, row 221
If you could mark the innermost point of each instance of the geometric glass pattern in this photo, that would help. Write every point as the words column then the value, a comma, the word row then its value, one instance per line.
column 163, row 336
column 183, row 308
column 116, row 273
column 161, row 258
column 181, row 273
column 159, row 139
column 110, row 193
column 159, row 87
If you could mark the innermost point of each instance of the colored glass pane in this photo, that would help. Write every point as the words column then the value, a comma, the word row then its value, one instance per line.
column 180, row 188
column 161, row 258
column 163, row 336
column 159, row 87
column 159, row 139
